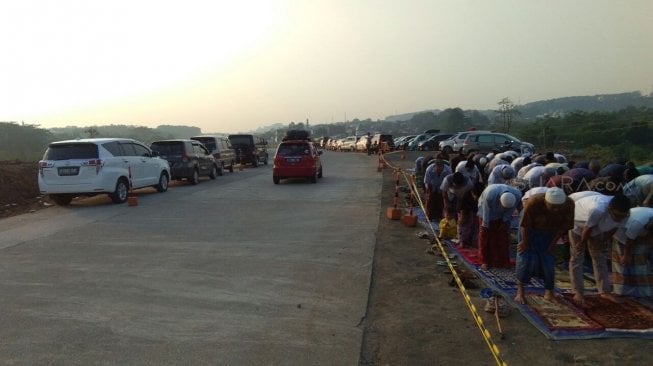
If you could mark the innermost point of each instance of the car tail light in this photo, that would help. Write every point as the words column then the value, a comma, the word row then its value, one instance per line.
column 45, row 164
column 97, row 163
column 93, row 162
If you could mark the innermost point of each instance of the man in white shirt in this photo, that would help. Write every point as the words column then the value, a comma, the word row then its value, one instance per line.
column 596, row 218
column 501, row 174
column 640, row 190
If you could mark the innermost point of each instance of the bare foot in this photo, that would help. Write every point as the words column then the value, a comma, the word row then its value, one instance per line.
column 579, row 299
column 484, row 267
column 548, row 295
column 519, row 298
column 611, row 297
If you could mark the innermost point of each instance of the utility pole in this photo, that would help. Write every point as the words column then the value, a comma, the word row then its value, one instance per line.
column 506, row 110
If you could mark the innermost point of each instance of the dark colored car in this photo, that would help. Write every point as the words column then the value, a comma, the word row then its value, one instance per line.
column 188, row 159
column 433, row 142
column 249, row 149
column 221, row 149
column 297, row 159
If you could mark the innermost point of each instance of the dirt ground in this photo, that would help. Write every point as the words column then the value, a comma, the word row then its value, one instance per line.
column 414, row 317
column 19, row 189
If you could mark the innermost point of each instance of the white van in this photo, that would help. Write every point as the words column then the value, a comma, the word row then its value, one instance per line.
column 87, row 167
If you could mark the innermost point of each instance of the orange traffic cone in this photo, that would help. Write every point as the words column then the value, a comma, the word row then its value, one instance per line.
column 132, row 199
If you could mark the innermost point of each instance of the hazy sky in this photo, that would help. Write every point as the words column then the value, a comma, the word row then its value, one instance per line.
column 229, row 66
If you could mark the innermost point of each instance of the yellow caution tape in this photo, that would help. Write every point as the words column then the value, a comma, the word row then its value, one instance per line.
column 487, row 336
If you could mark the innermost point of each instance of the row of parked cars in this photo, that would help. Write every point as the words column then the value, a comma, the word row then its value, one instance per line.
column 358, row 143
column 87, row 167
column 464, row 142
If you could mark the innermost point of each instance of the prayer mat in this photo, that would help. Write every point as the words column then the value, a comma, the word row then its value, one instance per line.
column 628, row 314
column 563, row 319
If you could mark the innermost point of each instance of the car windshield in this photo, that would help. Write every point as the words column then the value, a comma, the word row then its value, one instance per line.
column 209, row 142
column 71, row 151
column 241, row 140
column 293, row 149
column 168, row 148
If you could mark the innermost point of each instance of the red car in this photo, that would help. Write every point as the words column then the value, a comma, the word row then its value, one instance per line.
column 297, row 159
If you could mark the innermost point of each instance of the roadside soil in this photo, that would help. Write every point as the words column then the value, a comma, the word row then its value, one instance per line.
column 19, row 189
column 414, row 315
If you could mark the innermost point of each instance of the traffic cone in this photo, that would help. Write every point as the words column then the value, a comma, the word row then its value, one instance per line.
column 394, row 213
column 132, row 199
column 410, row 220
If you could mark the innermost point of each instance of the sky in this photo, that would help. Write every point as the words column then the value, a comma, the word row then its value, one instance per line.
column 234, row 66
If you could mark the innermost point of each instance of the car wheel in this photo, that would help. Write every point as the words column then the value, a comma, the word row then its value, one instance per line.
column 163, row 183
column 61, row 199
column 320, row 174
column 265, row 162
column 314, row 178
column 276, row 179
column 231, row 167
column 255, row 162
column 119, row 195
column 215, row 172
column 195, row 178
column 221, row 169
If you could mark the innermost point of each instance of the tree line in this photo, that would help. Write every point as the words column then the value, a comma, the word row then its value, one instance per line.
column 626, row 133
column 27, row 142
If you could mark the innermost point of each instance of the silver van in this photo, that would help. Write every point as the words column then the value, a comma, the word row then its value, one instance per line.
column 486, row 142
column 221, row 149
column 455, row 143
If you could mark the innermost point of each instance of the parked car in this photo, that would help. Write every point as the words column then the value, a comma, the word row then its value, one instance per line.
column 455, row 143
column 331, row 144
column 87, row 167
column 432, row 143
column 297, row 159
column 402, row 142
column 188, row 159
column 412, row 145
column 361, row 144
column 378, row 139
column 250, row 149
column 221, row 149
column 485, row 142
column 348, row 143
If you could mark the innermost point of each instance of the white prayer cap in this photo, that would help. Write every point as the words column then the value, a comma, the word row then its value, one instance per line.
column 508, row 200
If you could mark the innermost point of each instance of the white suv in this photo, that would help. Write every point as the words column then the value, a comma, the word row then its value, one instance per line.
column 87, row 167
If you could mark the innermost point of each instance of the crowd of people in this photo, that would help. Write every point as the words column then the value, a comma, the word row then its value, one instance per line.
column 603, row 212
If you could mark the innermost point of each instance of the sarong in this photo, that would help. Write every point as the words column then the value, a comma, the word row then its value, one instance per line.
column 494, row 243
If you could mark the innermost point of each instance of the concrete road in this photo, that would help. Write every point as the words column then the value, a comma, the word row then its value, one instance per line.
column 236, row 271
